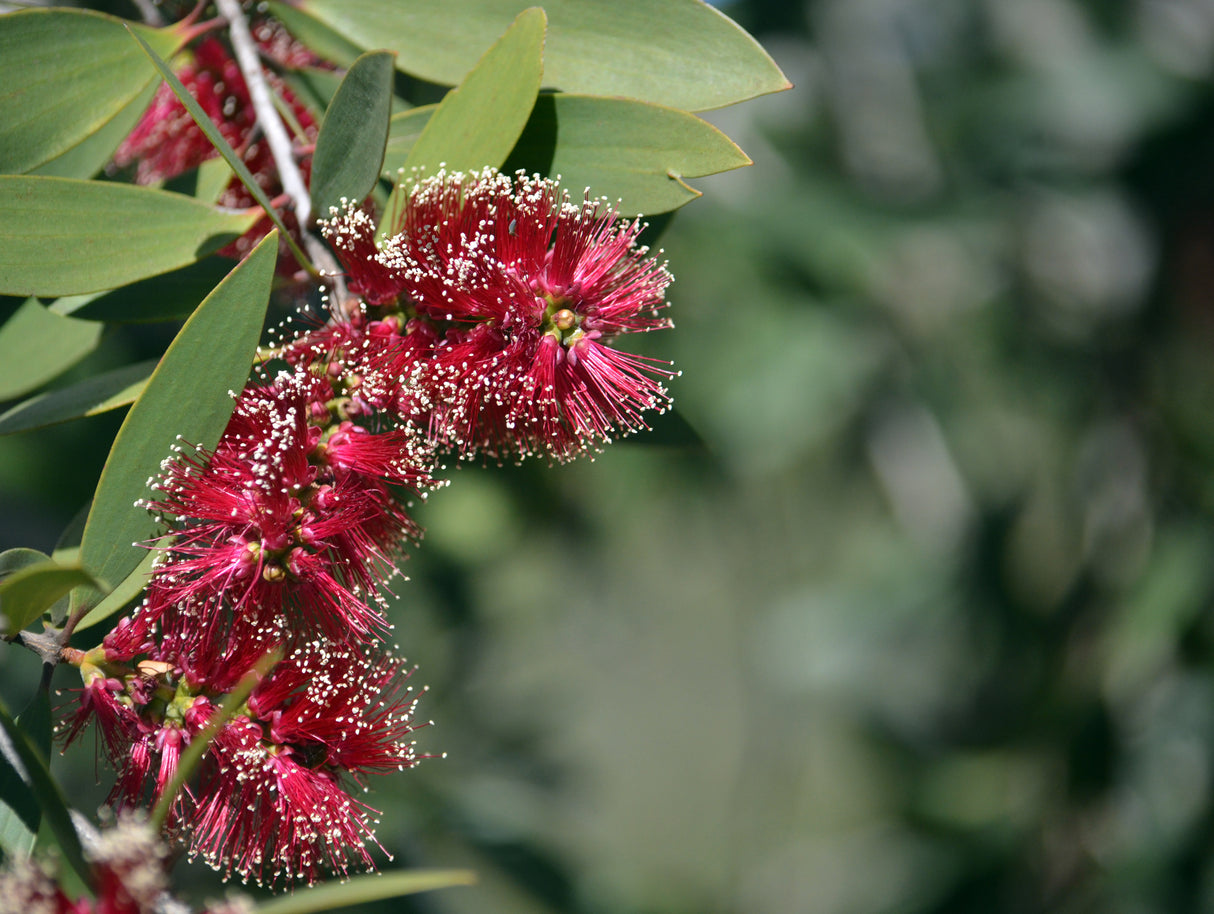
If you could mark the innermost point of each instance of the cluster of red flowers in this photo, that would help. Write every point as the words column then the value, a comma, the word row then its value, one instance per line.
column 127, row 870
column 271, row 801
column 497, row 298
column 279, row 539
column 483, row 326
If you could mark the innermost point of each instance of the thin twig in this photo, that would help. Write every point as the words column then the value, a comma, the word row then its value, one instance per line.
column 267, row 118
column 73, row 620
column 248, row 56
column 45, row 644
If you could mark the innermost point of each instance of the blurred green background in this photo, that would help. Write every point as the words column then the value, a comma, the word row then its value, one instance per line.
column 921, row 621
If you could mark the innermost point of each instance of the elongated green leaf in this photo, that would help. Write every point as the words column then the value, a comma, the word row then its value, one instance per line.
column 207, row 126
column 98, row 394
column 314, row 86
column 680, row 53
column 624, row 150
column 20, row 814
column 350, row 146
column 64, row 74
column 12, row 560
column 67, row 552
column 403, row 132
column 36, row 721
column 478, row 123
column 211, row 180
column 167, row 297
column 362, row 889
column 187, row 395
column 64, row 237
column 124, row 593
column 36, row 345
column 28, row 593
column 33, row 780
column 87, row 158
column 621, row 149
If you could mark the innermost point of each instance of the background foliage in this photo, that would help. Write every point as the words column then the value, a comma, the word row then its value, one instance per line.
column 923, row 623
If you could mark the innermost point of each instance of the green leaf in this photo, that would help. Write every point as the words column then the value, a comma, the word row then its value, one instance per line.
column 212, row 179
column 207, row 126
column 478, row 123
column 187, row 395
column 621, row 149
column 67, row 552
column 403, row 131
column 350, row 146
column 33, row 781
column 98, row 394
column 315, row 34
column 63, row 75
column 87, row 158
column 64, row 237
column 168, row 297
column 36, row 345
column 314, row 87
column 681, row 53
column 20, row 814
column 12, row 560
column 629, row 151
column 362, row 889
column 27, row 594
column 131, row 587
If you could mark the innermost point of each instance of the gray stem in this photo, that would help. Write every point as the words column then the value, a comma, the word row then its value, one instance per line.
column 280, row 143
column 267, row 118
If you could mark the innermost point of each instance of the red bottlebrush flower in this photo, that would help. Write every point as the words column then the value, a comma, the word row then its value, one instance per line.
column 115, row 691
column 286, row 527
column 25, row 886
column 525, row 292
column 271, row 801
column 272, row 806
column 128, row 863
column 102, row 702
column 128, row 869
column 280, row 46
column 376, row 361
column 166, row 142
column 352, row 232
